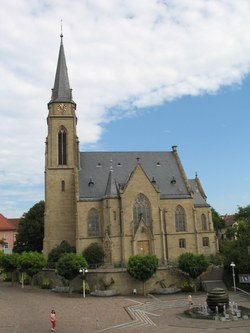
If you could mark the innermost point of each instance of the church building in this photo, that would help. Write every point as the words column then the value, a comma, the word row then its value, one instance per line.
column 128, row 202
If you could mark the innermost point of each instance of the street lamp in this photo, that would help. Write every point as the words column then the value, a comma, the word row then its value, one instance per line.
column 233, row 265
column 83, row 270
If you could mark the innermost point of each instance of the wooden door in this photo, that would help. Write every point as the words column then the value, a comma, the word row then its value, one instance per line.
column 143, row 247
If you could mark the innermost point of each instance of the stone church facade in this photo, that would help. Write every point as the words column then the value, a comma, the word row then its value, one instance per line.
column 128, row 202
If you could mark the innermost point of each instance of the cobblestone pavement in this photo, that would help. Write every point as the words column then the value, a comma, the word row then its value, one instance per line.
column 28, row 310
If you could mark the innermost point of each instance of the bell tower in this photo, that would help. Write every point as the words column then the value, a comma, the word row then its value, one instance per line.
column 61, row 159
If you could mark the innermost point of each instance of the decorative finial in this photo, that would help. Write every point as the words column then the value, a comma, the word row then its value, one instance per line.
column 138, row 160
column 196, row 175
column 61, row 30
column 111, row 164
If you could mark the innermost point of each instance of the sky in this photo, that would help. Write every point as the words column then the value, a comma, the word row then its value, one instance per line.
column 146, row 75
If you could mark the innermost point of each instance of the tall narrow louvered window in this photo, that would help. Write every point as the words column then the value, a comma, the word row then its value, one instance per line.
column 203, row 222
column 141, row 209
column 93, row 223
column 180, row 219
column 62, row 147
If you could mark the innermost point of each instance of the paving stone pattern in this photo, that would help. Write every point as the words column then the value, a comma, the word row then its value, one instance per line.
column 28, row 310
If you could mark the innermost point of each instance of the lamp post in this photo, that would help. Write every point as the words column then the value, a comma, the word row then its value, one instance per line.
column 83, row 270
column 233, row 265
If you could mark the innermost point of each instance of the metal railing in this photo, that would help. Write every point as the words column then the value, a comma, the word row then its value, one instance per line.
column 244, row 293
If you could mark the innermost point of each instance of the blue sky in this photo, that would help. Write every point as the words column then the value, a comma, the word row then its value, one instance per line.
column 146, row 75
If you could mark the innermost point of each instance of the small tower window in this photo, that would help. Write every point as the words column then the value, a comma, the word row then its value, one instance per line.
column 63, row 186
column 114, row 215
column 62, row 147
column 205, row 241
column 182, row 243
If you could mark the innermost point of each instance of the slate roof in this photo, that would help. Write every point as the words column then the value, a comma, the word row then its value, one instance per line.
column 198, row 199
column 61, row 91
column 160, row 165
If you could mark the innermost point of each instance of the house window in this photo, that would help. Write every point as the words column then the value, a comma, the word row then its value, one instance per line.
column 205, row 241
column 182, row 244
column 114, row 215
column 203, row 222
column 180, row 219
column 62, row 147
column 7, row 245
column 6, row 235
column 141, row 209
column 93, row 223
column 63, row 186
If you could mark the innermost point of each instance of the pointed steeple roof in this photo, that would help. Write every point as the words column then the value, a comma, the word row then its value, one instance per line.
column 61, row 91
column 111, row 188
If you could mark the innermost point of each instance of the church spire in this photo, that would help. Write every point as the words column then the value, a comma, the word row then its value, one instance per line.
column 61, row 91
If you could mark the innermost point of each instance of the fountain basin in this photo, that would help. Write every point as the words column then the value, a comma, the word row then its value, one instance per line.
column 105, row 293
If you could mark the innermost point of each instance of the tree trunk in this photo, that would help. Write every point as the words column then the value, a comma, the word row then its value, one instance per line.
column 32, row 281
column 144, row 288
column 12, row 278
column 195, row 285
column 70, row 289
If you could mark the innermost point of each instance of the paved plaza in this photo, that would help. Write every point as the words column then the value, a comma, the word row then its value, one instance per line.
column 28, row 310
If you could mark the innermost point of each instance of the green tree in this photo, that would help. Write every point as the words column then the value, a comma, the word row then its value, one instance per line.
column 236, row 246
column 32, row 263
column 193, row 264
column 243, row 214
column 219, row 223
column 59, row 250
column 68, row 266
column 10, row 262
column 142, row 268
column 31, row 230
column 94, row 254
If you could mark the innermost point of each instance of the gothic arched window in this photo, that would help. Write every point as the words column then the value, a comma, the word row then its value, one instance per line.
column 62, row 147
column 141, row 209
column 180, row 219
column 203, row 222
column 93, row 223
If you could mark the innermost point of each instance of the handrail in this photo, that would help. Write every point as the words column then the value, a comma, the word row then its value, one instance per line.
column 243, row 291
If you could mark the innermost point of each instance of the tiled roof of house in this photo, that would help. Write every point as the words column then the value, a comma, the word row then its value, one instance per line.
column 229, row 219
column 5, row 224
column 14, row 222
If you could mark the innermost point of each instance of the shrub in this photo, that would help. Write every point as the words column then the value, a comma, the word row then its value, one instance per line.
column 87, row 289
column 93, row 254
column 6, row 277
column 59, row 250
column 46, row 284
column 186, row 285
column 25, row 278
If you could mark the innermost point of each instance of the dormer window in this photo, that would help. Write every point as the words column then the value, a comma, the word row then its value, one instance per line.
column 118, row 164
column 158, row 164
column 173, row 181
column 99, row 165
column 91, row 183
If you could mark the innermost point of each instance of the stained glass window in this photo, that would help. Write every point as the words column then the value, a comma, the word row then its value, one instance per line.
column 203, row 222
column 180, row 219
column 93, row 223
column 141, row 209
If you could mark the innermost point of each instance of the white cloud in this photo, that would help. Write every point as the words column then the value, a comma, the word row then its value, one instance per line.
column 121, row 56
